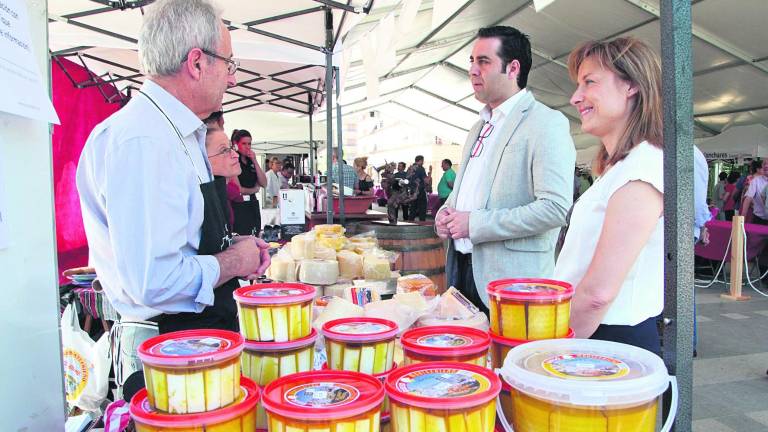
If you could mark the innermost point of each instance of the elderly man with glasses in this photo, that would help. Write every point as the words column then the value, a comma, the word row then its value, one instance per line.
column 157, row 233
column 515, row 182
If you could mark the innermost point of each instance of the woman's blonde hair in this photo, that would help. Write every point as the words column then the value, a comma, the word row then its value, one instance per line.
column 633, row 61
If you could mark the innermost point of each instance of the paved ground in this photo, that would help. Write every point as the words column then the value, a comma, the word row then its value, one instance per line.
column 730, row 381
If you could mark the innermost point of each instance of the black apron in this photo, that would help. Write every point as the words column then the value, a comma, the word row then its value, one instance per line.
column 247, row 213
column 215, row 237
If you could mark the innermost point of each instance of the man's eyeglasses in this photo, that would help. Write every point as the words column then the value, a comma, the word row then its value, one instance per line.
column 226, row 151
column 232, row 65
column 477, row 149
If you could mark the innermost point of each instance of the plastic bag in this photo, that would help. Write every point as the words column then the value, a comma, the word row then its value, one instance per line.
column 86, row 364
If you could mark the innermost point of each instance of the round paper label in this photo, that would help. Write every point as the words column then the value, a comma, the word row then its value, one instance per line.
column 445, row 340
column 190, row 346
column 533, row 289
column 274, row 292
column 322, row 395
column 585, row 366
column 442, row 383
column 360, row 328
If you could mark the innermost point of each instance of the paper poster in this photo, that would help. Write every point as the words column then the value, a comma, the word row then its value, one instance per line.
column 292, row 206
column 24, row 91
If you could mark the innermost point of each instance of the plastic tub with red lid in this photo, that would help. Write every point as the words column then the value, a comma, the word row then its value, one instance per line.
column 324, row 401
column 238, row 417
column 192, row 371
column 500, row 347
column 530, row 309
column 443, row 396
column 445, row 343
column 275, row 312
column 360, row 344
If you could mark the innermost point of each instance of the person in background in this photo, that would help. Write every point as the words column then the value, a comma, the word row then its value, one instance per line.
column 445, row 186
column 286, row 174
column 729, row 199
column 215, row 120
column 402, row 175
column 163, row 254
column 585, row 181
column 613, row 252
column 273, row 181
column 225, row 166
column 719, row 194
column 515, row 184
column 419, row 206
column 364, row 181
column 428, row 180
column 755, row 194
column 348, row 175
column 701, row 215
column 247, row 213
column 576, row 183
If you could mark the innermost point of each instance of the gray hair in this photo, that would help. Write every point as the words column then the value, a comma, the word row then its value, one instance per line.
column 171, row 28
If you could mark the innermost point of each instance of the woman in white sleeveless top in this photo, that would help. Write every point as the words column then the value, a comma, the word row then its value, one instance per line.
column 613, row 252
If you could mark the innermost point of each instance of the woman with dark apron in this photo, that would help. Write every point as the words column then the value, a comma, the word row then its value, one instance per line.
column 247, row 212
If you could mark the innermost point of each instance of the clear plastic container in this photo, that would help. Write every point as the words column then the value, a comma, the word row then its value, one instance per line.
column 500, row 347
column 275, row 312
column 443, row 396
column 239, row 417
column 360, row 344
column 530, row 309
column 445, row 343
column 584, row 385
column 192, row 371
column 324, row 401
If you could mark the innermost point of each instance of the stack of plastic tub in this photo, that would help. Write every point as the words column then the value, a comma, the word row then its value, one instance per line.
column 445, row 343
column 275, row 320
column 193, row 383
column 362, row 344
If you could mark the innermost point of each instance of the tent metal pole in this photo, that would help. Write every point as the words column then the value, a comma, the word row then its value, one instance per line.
column 329, row 115
column 312, row 168
column 677, row 79
column 338, row 139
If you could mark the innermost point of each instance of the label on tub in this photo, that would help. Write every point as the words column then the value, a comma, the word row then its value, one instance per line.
column 585, row 366
column 322, row 395
column 442, row 383
column 190, row 346
column 445, row 340
column 360, row 328
column 274, row 292
column 533, row 289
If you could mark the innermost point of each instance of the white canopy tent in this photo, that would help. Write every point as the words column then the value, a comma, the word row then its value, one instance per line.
column 737, row 142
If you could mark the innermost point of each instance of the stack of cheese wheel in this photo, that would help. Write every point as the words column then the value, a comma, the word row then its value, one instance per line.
column 276, row 312
column 238, row 417
column 583, row 385
column 443, row 396
column 264, row 362
column 324, row 401
column 523, row 310
column 445, row 343
column 192, row 371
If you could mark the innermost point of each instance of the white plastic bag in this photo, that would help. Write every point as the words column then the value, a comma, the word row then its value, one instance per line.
column 86, row 364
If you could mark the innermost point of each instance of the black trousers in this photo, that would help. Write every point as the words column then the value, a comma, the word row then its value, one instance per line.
column 644, row 335
column 758, row 220
column 729, row 215
column 419, row 207
column 465, row 282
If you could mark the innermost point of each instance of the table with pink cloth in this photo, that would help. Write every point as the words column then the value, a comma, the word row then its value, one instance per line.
column 720, row 233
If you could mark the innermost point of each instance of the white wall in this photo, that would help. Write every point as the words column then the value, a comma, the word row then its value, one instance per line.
column 32, row 392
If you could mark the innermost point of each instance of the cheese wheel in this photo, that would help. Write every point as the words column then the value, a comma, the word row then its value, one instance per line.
column 375, row 267
column 350, row 264
column 303, row 246
column 318, row 272
column 282, row 269
column 329, row 229
column 324, row 253
column 337, row 289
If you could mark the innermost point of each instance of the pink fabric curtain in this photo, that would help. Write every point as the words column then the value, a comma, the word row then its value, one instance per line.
column 80, row 110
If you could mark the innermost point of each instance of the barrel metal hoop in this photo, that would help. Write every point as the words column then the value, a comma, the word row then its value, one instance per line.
column 412, row 248
column 425, row 272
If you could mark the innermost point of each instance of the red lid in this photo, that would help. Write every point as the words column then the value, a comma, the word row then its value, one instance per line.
column 281, row 346
column 191, row 348
column 505, row 387
column 445, row 341
column 360, row 329
column 274, row 293
column 530, row 289
column 443, row 385
column 515, row 342
column 143, row 413
column 323, row 395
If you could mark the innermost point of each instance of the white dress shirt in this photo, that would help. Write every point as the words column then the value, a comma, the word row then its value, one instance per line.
column 468, row 199
column 701, row 213
column 641, row 295
column 143, row 209
column 273, row 185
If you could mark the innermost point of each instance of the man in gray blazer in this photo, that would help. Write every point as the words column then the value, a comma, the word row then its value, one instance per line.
column 515, row 183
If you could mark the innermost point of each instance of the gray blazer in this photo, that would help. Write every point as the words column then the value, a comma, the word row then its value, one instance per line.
column 528, row 192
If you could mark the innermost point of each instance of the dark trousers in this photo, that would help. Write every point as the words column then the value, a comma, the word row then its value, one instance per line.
column 465, row 282
column 419, row 207
column 729, row 214
column 758, row 220
column 405, row 207
column 643, row 335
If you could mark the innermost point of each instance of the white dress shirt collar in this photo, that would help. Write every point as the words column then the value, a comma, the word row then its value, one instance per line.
column 183, row 118
column 497, row 114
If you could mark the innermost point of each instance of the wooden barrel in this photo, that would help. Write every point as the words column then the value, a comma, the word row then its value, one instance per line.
column 420, row 250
